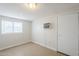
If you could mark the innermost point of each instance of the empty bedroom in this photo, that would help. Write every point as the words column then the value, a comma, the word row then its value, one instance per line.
column 39, row 29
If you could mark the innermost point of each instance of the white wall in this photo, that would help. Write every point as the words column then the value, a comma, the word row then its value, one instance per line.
column 14, row 39
column 49, row 37
column 45, row 37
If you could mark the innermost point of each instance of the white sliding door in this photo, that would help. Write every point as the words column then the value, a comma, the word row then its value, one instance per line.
column 68, row 34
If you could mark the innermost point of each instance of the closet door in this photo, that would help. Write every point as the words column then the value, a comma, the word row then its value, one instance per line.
column 68, row 34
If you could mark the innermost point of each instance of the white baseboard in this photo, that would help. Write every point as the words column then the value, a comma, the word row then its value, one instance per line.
column 44, row 45
column 15, row 45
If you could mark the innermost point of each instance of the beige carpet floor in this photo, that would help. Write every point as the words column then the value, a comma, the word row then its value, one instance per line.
column 30, row 49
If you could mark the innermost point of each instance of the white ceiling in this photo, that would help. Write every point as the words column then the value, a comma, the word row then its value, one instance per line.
column 19, row 10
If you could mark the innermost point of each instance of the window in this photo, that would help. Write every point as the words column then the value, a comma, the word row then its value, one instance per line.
column 17, row 27
column 10, row 27
column 6, row 26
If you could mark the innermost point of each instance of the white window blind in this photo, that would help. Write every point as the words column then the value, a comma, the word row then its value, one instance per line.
column 17, row 27
column 11, row 27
